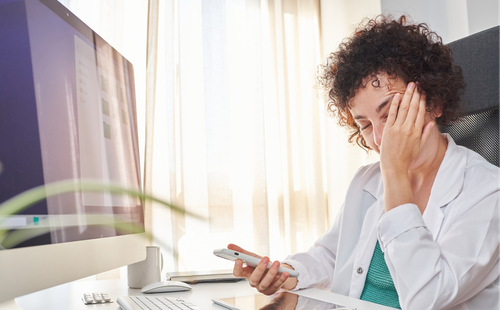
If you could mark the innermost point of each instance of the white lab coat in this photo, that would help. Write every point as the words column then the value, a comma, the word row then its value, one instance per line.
column 447, row 258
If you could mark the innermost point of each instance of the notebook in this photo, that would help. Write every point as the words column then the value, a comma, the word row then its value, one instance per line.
column 193, row 277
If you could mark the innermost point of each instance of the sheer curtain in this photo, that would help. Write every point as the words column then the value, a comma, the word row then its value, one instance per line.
column 238, row 128
column 230, row 124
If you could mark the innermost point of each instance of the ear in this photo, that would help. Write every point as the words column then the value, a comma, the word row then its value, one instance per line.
column 438, row 111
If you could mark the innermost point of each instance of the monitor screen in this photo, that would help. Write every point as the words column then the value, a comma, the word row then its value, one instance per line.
column 67, row 112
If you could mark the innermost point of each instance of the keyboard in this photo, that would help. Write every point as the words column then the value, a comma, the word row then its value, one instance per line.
column 155, row 302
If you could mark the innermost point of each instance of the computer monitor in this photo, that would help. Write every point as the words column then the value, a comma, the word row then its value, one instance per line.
column 67, row 111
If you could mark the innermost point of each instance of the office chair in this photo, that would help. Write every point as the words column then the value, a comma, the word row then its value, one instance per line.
column 478, row 56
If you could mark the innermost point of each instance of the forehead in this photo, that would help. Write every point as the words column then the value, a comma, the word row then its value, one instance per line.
column 375, row 88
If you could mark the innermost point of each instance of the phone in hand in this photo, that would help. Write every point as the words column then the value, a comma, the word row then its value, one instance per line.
column 250, row 260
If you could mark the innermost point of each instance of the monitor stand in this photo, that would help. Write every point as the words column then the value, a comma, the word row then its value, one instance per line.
column 10, row 305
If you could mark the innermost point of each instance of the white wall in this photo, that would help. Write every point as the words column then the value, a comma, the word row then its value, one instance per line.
column 451, row 19
column 482, row 14
column 339, row 18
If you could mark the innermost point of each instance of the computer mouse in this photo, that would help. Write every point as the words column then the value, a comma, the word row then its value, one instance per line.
column 165, row 287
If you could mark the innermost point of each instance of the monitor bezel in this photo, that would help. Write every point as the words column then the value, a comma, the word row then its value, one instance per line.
column 30, row 269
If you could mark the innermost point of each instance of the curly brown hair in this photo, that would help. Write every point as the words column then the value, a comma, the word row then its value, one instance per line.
column 401, row 49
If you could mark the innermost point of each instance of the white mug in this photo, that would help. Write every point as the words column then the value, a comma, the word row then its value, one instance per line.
column 148, row 271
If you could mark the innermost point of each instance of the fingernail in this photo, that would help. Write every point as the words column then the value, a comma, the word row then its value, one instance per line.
column 276, row 264
column 411, row 85
column 265, row 261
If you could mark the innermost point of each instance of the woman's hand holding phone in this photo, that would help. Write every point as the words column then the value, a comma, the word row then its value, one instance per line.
column 266, row 281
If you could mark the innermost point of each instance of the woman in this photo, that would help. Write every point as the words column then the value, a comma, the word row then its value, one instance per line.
column 419, row 229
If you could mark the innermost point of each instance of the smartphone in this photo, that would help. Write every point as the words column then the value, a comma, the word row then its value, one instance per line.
column 250, row 260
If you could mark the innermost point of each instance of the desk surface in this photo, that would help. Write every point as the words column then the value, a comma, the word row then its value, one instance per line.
column 68, row 296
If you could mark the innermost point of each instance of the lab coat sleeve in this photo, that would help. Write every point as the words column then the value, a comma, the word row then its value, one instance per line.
column 316, row 266
column 439, row 274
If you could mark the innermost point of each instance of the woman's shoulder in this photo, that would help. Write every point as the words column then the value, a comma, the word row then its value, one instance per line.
column 467, row 169
column 367, row 172
column 367, row 178
column 477, row 167
column 479, row 181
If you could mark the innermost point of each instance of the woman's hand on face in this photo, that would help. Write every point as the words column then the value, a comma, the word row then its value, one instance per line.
column 265, row 281
column 404, row 132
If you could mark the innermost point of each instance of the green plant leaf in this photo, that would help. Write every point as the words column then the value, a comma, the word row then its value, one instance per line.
column 25, row 199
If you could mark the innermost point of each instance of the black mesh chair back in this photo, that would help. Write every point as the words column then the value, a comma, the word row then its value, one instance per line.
column 478, row 56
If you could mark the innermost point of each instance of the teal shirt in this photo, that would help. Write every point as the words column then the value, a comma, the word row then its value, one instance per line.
column 379, row 287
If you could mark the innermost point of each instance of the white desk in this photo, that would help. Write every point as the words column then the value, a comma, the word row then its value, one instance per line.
column 68, row 296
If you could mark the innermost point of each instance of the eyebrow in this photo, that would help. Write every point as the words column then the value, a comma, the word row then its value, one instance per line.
column 379, row 108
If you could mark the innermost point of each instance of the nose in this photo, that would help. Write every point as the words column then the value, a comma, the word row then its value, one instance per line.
column 378, row 130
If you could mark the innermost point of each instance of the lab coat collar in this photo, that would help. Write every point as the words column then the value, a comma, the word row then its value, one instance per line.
column 375, row 186
column 447, row 186
column 449, row 180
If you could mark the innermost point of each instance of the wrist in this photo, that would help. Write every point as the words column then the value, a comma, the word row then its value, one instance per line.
column 290, row 283
column 397, row 190
column 393, row 173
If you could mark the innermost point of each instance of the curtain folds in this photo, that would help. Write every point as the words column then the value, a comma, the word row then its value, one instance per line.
column 230, row 125
column 238, row 128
